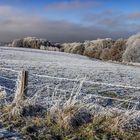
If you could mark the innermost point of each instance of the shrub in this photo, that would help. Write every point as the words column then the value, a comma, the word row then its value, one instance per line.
column 115, row 52
column 132, row 52
column 76, row 48
column 31, row 42
column 105, row 55
column 52, row 49
column 17, row 43
column 95, row 48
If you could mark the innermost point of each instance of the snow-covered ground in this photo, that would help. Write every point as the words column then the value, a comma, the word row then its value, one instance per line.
column 70, row 66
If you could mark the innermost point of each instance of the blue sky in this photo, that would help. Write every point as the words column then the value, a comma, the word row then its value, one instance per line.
column 69, row 20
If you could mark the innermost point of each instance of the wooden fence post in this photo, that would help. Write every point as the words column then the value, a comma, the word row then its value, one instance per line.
column 24, row 83
column 22, row 87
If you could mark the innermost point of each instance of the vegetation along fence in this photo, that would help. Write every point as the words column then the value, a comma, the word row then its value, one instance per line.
column 21, row 90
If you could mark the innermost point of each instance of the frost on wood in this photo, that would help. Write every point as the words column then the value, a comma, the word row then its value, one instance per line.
column 132, row 52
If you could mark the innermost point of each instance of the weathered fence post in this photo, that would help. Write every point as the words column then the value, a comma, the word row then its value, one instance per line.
column 24, row 83
column 21, row 87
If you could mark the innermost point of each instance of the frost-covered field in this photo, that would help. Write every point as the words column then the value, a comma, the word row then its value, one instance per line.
column 99, row 76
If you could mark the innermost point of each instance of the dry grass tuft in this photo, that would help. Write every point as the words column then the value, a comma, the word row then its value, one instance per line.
column 2, row 94
column 71, row 117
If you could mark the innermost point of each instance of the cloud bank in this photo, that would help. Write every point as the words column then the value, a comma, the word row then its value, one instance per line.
column 17, row 23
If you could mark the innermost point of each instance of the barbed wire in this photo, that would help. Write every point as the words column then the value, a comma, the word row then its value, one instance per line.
column 5, row 88
column 91, row 95
column 116, row 99
column 7, row 69
column 91, row 82
column 53, row 77
column 6, row 78
column 75, row 80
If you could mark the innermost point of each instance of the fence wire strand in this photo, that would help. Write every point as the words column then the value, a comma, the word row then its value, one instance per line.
column 75, row 80
column 91, row 82
column 7, row 69
column 6, row 78
column 3, row 87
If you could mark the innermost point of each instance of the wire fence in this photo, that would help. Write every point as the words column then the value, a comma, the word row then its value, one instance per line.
column 64, row 91
column 8, row 69
column 91, row 82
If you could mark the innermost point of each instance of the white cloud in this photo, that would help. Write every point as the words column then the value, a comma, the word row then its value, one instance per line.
column 15, row 23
